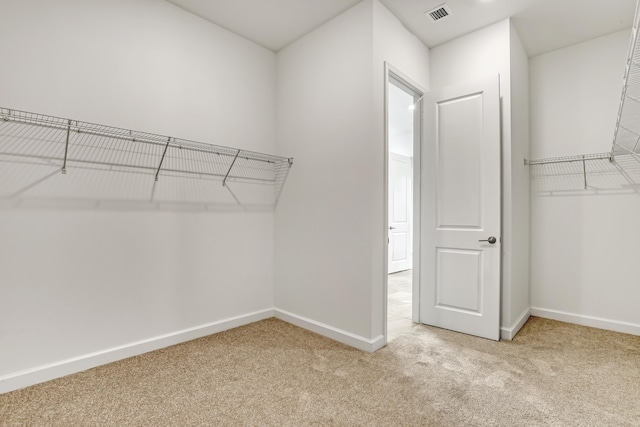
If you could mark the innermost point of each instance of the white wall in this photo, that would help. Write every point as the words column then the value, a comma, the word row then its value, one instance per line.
column 78, row 282
column 396, row 46
column 575, row 94
column 329, row 223
column 520, row 146
column 324, row 219
column 483, row 53
column 584, row 246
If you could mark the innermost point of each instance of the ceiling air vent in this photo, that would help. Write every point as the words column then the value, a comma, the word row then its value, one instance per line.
column 439, row 12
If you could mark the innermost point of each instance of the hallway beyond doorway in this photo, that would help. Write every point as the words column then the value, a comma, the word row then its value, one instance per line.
column 399, row 304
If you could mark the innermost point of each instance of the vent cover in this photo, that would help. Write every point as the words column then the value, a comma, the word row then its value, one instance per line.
column 439, row 12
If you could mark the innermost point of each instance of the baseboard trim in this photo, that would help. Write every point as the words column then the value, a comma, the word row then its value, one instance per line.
column 39, row 374
column 584, row 320
column 336, row 334
column 510, row 333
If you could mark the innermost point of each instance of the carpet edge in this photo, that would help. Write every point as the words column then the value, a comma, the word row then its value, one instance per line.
column 39, row 374
column 584, row 320
column 352, row 340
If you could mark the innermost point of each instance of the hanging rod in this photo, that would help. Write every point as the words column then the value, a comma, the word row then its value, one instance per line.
column 568, row 159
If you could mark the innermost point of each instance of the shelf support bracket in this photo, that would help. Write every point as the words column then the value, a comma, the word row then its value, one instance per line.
column 631, row 153
column 224, row 181
column 162, row 159
column 66, row 148
column 584, row 172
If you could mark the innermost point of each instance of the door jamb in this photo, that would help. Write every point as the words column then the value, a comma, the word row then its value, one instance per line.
column 401, row 79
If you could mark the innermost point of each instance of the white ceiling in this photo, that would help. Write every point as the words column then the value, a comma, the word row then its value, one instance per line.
column 553, row 24
column 543, row 25
column 273, row 24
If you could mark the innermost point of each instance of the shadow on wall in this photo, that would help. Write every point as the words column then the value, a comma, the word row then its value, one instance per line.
column 589, row 177
column 49, row 162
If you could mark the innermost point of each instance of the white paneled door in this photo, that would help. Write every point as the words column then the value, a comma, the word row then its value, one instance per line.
column 461, row 181
column 400, row 212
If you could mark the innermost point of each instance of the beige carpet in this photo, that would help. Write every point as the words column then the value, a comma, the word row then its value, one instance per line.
column 273, row 373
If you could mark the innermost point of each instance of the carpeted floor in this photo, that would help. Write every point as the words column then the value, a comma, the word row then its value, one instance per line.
column 273, row 373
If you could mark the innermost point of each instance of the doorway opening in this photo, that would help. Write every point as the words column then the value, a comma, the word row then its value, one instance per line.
column 403, row 134
column 456, row 263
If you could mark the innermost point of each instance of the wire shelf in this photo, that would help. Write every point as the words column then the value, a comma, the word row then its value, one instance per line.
column 569, row 159
column 571, row 169
column 593, row 172
column 626, row 137
column 110, row 163
column 616, row 169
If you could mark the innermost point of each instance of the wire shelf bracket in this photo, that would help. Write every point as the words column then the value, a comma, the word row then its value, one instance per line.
column 66, row 148
column 224, row 181
column 164, row 153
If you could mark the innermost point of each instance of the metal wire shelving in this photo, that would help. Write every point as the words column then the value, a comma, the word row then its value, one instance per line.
column 626, row 139
column 624, row 157
column 577, row 166
column 592, row 173
column 46, row 157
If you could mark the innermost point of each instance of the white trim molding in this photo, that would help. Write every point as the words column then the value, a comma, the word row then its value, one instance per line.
column 39, row 374
column 584, row 320
column 361, row 343
column 510, row 333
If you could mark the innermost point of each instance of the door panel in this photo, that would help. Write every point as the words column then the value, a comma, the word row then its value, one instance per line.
column 400, row 205
column 459, row 179
column 457, row 282
column 460, row 274
column 400, row 242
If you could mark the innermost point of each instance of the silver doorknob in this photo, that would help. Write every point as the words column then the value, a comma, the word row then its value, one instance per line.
column 491, row 240
column 392, row 228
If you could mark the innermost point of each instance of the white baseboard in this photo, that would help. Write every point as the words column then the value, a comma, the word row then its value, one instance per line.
column 584, row 320
column 25, row 378
column 336, row 334
column 509, row 333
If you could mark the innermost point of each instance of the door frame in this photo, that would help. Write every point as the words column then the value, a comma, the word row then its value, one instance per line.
column 402, row 80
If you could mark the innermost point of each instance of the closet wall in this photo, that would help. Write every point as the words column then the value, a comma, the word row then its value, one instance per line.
column 584, row 247
column 323, row 238
column 86, row 284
